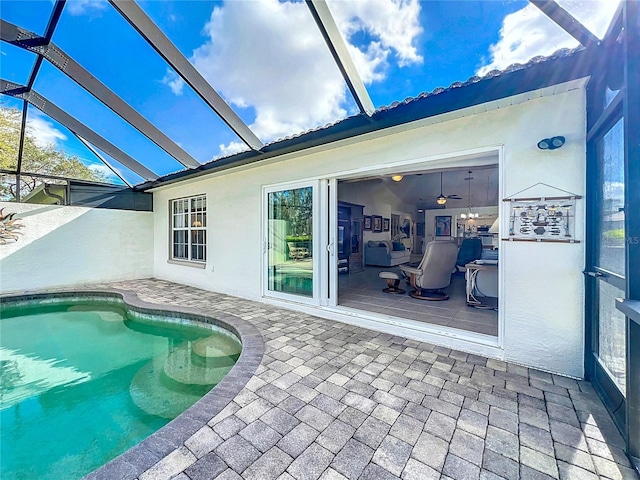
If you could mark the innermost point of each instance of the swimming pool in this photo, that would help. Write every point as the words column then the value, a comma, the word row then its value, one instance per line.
column 84, row 379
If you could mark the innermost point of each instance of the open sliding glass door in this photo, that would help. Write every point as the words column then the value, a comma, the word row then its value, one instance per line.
column 333, row 239
column 294, row 242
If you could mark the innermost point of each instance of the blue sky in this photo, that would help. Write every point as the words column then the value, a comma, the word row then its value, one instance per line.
column 268, row 60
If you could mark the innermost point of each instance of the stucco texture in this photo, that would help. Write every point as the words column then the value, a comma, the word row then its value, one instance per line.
column 65, row 246
column 541, row 285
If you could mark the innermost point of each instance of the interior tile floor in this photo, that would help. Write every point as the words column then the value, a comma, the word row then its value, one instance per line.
column 363, row 291
column 337, row 401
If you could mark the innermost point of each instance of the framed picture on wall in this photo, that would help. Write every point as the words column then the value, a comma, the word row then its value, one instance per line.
column 367, row 222
column 386, row 224
column 443, row 226
column 377, row 223
column 420, row 229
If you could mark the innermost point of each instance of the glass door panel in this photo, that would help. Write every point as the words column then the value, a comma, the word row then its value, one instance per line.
column 612, row 335
column 290, row 265
column 609, row 265
column 612, row 240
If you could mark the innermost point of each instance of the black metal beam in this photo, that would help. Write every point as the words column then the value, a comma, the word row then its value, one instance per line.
column 567, row 22
column 41, row 46
column 102, row 159
column 77, row 127
column 23, row 126
column 615, row 27
column 327, row 25
column 167, row 50
column 51, row 26
column 53, row 19
column 631, row 63
column 34, row 72
column 606, row 118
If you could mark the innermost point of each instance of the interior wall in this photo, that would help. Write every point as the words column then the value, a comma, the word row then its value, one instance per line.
column 62, row 246
column 377, row 200
column 383, row 210
column 541, row 284
column 454, row 213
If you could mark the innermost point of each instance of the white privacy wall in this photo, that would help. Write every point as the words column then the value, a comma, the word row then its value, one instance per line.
column 541, row 283
column 61, row 246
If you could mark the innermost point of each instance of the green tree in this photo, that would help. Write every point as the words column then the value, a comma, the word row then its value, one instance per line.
column 47, row 160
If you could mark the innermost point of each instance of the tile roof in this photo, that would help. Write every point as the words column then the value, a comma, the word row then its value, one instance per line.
column 414, row 108
column 562, row 53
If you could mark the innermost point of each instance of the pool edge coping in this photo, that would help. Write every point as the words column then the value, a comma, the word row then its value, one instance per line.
column 142, row 456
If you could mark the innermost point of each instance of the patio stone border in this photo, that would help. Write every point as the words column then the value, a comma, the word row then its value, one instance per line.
column 159, row 444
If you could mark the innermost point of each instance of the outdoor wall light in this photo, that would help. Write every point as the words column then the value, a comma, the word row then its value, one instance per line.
column 397, row 178
column 551, row 143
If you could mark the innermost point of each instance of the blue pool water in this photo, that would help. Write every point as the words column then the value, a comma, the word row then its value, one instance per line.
column 82, row 382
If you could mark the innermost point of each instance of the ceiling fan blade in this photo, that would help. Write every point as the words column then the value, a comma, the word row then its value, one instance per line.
column 448, row 197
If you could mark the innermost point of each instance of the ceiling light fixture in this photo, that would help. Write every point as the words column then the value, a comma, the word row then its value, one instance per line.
column 397, row 178
column 469, row 214
column 551, row 143
column 441, row 200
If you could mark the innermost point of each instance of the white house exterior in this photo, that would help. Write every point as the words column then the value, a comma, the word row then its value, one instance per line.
column 541, row 311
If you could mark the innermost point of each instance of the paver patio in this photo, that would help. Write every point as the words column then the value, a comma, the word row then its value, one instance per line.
column 336, row 401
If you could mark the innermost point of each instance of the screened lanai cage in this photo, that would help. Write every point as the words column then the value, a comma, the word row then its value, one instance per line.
column 103, row 101
column 126, row 93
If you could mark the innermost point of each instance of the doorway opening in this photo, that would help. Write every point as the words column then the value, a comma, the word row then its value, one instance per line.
column 387, row 222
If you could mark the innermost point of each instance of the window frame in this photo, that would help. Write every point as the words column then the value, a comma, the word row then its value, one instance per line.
column 190, row 228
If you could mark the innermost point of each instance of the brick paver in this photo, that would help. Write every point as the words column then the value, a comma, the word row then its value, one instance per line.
column 336, row 401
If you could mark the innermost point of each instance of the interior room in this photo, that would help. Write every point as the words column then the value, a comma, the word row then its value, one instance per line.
column 385, row 224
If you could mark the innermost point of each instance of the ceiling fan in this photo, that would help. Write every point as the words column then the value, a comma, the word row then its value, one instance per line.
column 442, row 199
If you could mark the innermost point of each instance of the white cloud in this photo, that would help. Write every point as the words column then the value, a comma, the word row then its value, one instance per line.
column 528, row 32
column 394, row 24
column 43, row 131
column 174, row 82
column 231, row 148
column 269, row 56
column 372, row 63
column 82, row 7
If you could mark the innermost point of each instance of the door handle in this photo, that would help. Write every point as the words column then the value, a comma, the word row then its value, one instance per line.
column 594, row 274
column 330, row 248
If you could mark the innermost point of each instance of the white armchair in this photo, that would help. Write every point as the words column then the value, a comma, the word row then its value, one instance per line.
column 434, row 271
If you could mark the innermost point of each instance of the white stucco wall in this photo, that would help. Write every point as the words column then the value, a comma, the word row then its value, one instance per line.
column 541, row 283
column 62, row 246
